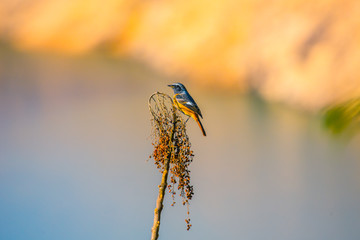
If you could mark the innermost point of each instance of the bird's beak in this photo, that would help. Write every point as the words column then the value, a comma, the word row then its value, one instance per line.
column 170, row 85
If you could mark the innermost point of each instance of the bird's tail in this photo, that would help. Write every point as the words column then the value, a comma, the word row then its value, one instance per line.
column 197, row 119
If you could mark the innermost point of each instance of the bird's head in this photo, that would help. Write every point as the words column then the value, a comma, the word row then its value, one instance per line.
column 177, row 87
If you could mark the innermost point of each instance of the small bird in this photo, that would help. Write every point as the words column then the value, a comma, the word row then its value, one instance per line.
column 186, row 104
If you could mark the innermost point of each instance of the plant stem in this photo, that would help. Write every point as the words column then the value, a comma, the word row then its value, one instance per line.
column 159, row 201
column 163, row 185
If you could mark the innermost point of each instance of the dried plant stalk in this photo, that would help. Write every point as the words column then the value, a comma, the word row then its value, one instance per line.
column 171, row 154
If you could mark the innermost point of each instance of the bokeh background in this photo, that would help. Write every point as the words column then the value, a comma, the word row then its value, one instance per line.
column 75, row 77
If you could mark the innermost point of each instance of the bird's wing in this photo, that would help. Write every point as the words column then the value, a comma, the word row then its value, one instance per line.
column 188, row 102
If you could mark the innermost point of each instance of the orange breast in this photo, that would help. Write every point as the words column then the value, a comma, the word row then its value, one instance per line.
column 184, row 109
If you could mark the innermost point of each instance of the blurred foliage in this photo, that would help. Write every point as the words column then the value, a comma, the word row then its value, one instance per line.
column 344, row 116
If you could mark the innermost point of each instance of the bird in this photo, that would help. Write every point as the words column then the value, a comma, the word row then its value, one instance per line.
column 186, row 104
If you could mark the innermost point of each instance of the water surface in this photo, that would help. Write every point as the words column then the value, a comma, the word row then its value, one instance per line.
column 75, row 140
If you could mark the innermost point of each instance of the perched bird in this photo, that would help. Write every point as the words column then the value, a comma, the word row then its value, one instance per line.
column 186, row 104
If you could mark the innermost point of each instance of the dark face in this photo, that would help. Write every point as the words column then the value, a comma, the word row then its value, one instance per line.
column 177, row 87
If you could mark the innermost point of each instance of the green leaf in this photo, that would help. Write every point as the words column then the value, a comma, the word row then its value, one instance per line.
column 341, row 117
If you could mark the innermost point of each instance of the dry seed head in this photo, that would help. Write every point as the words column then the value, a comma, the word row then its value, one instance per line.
column 166, row 120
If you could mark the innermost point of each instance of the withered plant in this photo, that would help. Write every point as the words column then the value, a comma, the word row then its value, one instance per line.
column 172, row 154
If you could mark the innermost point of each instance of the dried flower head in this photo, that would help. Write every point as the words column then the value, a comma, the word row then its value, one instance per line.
column 171, row 142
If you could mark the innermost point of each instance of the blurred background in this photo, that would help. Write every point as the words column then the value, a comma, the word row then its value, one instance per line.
column 278, row 84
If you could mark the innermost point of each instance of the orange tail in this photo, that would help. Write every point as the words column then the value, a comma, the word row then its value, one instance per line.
column 197, row 119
